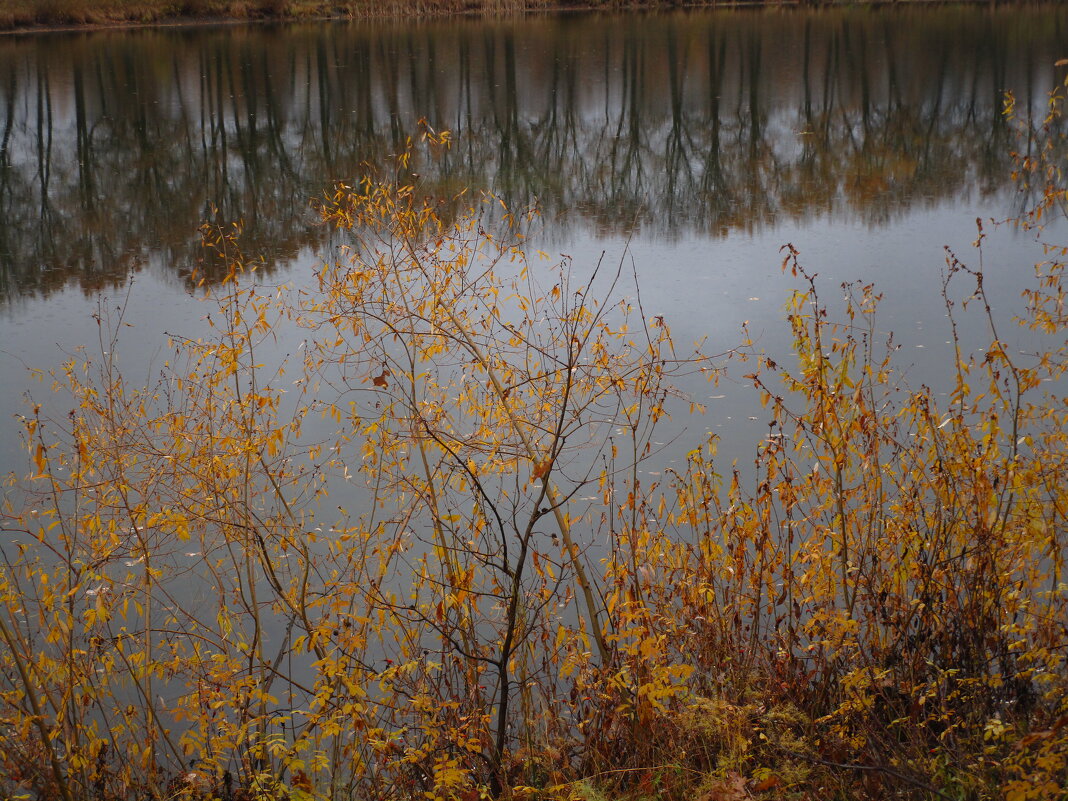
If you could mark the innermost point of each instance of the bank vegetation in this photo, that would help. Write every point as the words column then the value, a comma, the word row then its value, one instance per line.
column 424, row 556
column 30, row 14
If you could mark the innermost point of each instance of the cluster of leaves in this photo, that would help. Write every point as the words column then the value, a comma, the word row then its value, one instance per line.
column 516, row 610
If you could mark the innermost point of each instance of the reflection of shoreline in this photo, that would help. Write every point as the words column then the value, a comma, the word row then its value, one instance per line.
column 113, row 150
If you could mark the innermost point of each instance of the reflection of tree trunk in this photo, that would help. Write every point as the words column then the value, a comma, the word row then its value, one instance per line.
column 423, row 62
column 204, row 84
column 635, row 71
column 845, row 75
column 863, row 62
column 830, row 71
column 322, row 77
column 756, row 132
column 465, row 115
column 8, row 282
column 105, row 84
column 9, row 120
column 274, row 122
column 218, row 133
column 677, row 156
column 83, row 147
column 140, row 103
column 247, row 138
column 518, row 151
column 1029, row 81
column 625, row 168
column 934, row 113
column 186, row 128
column 365, row 97
column 713, row 186
column 44, row 140
column 501, row 85
column 998, row 125
column 806, row 66
column 981, row 54
column 493, row 97
column 511, row 93
column 570, row 102
column 893, row 85
column 547, row 146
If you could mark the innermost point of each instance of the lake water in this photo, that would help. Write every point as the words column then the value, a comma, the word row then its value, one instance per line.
column 689, row 146
column 693, row 145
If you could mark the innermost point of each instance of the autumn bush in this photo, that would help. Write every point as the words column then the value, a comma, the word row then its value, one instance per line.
column 417, row 557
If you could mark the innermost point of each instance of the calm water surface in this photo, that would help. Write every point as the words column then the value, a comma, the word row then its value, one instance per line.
column 691, row 145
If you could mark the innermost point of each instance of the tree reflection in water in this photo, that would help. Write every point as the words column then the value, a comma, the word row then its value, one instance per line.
column 115, row 146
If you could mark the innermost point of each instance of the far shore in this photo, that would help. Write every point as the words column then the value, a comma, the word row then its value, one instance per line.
column 42, row 16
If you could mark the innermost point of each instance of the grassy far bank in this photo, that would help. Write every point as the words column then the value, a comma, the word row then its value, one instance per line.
column 28, row 14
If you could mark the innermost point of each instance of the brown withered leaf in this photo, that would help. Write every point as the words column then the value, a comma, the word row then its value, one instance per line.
column 730, row 788
column 380, row 380
column 769, row 782
column 300, row 781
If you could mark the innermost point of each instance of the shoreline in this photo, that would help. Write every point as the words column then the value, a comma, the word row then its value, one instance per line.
column 155, row 13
